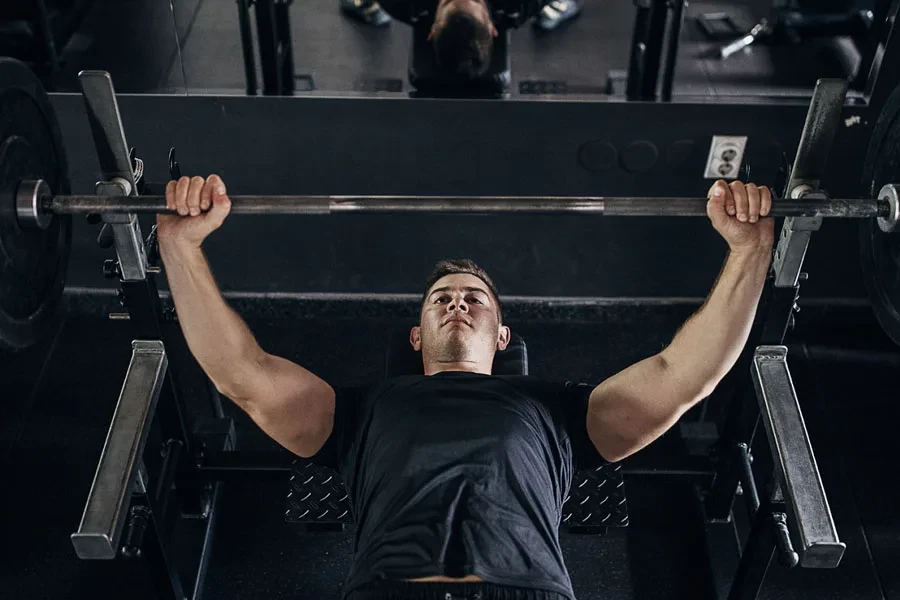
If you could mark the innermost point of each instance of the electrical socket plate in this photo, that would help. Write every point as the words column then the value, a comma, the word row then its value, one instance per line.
column 726, row 153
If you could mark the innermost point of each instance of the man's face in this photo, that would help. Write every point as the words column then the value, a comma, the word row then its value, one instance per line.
column 477, row 8
column 459, row 324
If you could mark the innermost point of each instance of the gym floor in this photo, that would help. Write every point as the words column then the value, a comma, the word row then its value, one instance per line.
column 58, row 398
column 342, row 55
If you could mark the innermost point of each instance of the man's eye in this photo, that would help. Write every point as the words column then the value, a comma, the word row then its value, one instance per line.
column 470, row 300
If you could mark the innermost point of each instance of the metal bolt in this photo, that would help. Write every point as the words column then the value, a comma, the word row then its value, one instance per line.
column 134, row 534
column 110, row 269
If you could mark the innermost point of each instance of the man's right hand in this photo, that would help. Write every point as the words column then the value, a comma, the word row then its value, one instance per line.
column 202, row 206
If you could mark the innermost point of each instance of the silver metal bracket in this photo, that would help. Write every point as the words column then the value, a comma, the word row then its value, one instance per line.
column 791, row 249
column 822, row 123
column 129, row 241
column 120, row 471
column 810, row 521
column 115, row 162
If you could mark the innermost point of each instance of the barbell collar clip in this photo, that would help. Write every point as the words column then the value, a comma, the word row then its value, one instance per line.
column 889, row 194
column 30, row 208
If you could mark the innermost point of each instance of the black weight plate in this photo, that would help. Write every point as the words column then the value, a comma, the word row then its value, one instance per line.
column 879, row 251
column 33, row 262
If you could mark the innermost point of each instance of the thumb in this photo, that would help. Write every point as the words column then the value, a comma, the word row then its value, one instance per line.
column 221, row 205
column 716, row 205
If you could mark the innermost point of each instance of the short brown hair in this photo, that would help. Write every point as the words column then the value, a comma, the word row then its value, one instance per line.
column 463, row 46
column 462, row 265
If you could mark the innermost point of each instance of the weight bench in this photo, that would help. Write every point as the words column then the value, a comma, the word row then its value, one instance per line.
column 431, row 81
column 318, row 501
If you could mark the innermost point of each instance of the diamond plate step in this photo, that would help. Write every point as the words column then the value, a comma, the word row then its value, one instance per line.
column 596, row 500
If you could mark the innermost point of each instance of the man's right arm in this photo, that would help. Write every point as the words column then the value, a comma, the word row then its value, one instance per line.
column 292, row 405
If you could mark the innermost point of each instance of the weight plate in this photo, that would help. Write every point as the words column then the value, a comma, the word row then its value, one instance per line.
column 33, row 262
column 880, row 251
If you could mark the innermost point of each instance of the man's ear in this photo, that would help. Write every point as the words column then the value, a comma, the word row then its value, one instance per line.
column 415, row 338
column 504, row 338
column 494, row 30
column 431, row 33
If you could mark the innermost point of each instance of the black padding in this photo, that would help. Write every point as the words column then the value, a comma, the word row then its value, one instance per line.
column 430, row 80
column 401, row 359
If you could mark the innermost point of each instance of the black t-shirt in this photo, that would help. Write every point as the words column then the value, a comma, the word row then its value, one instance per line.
column 505, row 13
column 460, row 474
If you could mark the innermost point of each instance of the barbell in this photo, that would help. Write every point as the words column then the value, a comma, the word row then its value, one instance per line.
column 36, row 205
column 36, row 210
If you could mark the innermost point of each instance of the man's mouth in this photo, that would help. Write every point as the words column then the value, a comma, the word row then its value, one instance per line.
column 463, row 321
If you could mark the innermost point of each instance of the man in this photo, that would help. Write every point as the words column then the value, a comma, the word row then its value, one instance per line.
column 462, row 31
column 457, row 477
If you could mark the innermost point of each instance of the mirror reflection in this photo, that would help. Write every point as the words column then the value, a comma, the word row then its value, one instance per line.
column 649, row 50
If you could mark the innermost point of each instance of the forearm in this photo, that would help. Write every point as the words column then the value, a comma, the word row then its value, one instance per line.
column 708, row 345
column 217, row 337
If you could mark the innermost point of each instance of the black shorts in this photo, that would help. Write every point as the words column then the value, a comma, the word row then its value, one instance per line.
column 409, row 590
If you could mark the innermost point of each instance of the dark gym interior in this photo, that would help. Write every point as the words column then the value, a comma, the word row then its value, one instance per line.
column 589, row 295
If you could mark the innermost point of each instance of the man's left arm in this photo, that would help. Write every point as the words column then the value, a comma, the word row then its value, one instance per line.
column 634, row 407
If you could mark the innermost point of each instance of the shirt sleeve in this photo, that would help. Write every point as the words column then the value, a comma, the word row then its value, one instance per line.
column 347, row 406
column 575, row 399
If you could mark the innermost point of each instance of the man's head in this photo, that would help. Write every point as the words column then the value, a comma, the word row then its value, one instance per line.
column 463, row 36
column 461, row 320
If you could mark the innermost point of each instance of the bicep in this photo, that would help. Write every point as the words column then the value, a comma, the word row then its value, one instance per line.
column 290, row 404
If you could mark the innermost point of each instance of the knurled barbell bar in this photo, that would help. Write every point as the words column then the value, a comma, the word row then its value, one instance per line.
column 35, row 205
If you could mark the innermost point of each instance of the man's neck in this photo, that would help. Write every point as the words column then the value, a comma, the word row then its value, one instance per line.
column 468, row 367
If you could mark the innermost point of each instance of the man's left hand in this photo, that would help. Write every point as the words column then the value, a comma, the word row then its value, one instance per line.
column 739, row 212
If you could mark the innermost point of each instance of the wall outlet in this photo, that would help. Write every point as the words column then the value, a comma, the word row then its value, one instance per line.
column 726, row 153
